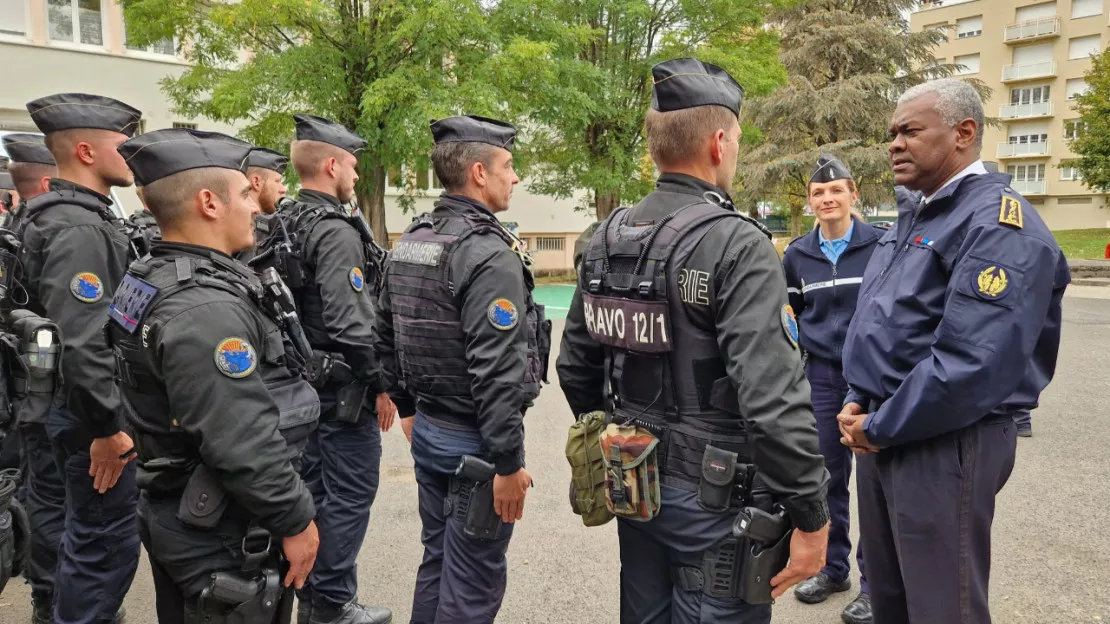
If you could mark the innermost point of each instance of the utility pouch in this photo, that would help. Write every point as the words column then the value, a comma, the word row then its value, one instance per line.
column 587, row 469
column 349, row 401
column 631, row 471
column 718, row 479
column 203, row 501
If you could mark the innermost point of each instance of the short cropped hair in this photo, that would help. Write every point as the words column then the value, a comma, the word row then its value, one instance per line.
column 677, row 136
column 26, row 176
column 956, row 101
column 306, row 156
column 168, row 197
column 452, row 161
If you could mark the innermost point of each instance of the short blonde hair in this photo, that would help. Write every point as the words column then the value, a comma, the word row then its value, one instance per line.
column 677, row 136
column 306, row 156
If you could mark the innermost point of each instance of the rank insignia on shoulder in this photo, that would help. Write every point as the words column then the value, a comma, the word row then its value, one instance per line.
column 502, row 314
column 1010, row 212
column 357, row 279
column 86, row 287
column 991, row 282
column 235, row 357
column 790, row 325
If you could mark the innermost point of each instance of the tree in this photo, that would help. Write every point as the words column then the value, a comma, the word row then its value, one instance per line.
column 1093, row 141
column 848, row 61
column 381, row 67
column 587, row 93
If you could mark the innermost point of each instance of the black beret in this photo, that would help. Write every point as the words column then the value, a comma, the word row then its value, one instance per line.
column 473, row 129
column 268, row 159
column 27, row 148
column 313, row 128
column 156, row 155
column 687, row 82
column 829, row 168
column 67, row 111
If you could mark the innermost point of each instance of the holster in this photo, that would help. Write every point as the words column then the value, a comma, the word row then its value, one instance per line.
column 470, row 501
column 349, row 400
column 230, row 598
column 203, row 501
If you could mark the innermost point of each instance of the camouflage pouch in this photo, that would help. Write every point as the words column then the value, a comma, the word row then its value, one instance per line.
column 631, row 471
column 587, row 469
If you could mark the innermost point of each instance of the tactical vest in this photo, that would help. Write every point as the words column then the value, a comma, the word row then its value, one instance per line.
column 285, row 249
column 665, row 372
column 132, row 333
column 430, row 342
column 140, row 229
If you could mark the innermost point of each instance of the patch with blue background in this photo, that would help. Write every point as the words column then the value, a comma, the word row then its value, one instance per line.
column 357, row 279
column 86, row 287
column 235, row 357
column 790, row 325
column 502, row 314
column 991, row 282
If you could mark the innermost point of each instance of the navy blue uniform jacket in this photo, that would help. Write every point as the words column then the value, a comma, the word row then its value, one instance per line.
column 959, row 314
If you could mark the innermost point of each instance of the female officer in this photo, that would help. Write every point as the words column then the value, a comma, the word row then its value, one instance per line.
column 824, row 269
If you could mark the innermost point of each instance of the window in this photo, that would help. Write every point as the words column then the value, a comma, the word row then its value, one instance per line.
column 162, row 46
column 1070, row 174
column 13, row 18
column 967, row 64
column 548, row 243
column 1073, row 128
column 969, row 27
column 1075, row 87
column 185, row 124
column 1027, row 139
column 75, row 21
column 1028, row 55
column 1083, row 47
column 1029, row 95
column 1026, row 173
column 1073, row 201
column 1036, row 11
column 1085, row 8
column 423, row 179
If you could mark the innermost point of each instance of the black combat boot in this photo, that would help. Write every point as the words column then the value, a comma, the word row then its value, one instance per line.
column 350, row 613
column 42, row 607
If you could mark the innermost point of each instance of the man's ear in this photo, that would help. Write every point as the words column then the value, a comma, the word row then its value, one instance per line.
column 256, row 182
column 44, row 184
column 479, row 175
column 718, row 143
column 966, row 133
column 331, row 167
column 85, row 152
column 209, row 203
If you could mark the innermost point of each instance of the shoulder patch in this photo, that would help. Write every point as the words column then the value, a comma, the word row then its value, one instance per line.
column 991, row 282
column 86, row 287
column 1010, row 212
column 790, row 325
column 502, row 314
column 235, row 357
column 130, row 304
column 356, row 278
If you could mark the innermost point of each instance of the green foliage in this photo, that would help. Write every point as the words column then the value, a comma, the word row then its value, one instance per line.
column 588, row 94
column 1093, row 143
column 848, row 61
column 1083, row 243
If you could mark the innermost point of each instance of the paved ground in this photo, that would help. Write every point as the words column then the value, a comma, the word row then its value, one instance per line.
column 1051, row 551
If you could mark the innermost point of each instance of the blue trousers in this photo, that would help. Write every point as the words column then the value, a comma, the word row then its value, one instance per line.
column 44, row 497
column 828, row 390
column 679, row 536
column 925, row 516
column 341, row 467
column 100, row 545
column 461, row 579
column 1023, row 419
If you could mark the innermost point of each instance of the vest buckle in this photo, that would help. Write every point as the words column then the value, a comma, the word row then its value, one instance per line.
column 594, row 286
column 645, row 289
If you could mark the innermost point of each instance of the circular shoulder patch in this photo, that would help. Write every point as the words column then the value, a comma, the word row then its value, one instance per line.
column 991, row 282
column 86, row 287
column 502, row 314
column 790, row 325
column 357, row 279
column 235, row 357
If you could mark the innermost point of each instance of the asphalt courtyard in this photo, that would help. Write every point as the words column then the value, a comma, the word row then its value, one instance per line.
column 1051, row 560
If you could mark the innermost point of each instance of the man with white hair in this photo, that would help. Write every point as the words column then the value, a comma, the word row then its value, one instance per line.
column 958, row 328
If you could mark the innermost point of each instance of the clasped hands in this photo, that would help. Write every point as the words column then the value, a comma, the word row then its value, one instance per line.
column 851, row 419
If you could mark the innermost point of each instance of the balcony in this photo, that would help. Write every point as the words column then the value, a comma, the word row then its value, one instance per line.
column 1044, row 28
column 1026, row 111
column 1028, row 187
column 1031, row 71
column 1023, row 150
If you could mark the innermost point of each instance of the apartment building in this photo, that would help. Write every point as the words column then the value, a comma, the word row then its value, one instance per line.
column 53, row 46
column 1033, row 55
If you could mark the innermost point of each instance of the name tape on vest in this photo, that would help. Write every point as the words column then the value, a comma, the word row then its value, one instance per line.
column 417, row 252
column 642, row 326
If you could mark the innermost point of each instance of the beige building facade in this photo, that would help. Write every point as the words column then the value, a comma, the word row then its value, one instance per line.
column 1033, row 55
column 55, row 46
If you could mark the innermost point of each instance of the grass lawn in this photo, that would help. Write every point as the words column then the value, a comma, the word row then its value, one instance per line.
column 1083, row 243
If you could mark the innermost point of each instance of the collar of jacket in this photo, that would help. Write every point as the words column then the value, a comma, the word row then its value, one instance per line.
column 863, row 234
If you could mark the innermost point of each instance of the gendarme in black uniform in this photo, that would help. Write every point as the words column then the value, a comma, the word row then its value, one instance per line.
column 74, row 256
column 681, row 312
column 216, row 400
